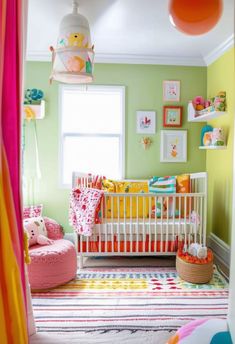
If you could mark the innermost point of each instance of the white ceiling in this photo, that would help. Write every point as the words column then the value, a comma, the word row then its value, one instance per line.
column 129, row 31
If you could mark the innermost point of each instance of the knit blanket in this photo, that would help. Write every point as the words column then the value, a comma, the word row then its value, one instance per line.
column 84, row 209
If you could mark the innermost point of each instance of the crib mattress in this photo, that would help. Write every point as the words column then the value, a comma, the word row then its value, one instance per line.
column 135, row 226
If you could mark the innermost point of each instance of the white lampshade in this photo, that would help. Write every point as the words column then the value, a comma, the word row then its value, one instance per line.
column 72, row 60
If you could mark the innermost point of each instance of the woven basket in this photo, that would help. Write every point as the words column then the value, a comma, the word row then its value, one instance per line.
column 194, row 273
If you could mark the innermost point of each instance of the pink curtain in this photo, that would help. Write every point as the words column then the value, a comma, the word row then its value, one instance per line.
column 12, row 278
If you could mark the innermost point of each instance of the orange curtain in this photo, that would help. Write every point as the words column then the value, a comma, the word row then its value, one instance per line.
column 13, row 318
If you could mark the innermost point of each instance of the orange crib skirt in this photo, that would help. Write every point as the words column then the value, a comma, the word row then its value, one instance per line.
column 137, row 246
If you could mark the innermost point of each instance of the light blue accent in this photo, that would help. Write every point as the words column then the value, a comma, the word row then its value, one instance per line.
column 222, row 338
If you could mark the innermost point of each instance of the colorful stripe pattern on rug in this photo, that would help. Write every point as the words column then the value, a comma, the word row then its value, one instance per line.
column 134, row 299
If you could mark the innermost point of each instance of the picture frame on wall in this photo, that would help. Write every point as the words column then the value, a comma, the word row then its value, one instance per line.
column 171, row 90
column 173, row 146
column 172, row 116
column 145, row 122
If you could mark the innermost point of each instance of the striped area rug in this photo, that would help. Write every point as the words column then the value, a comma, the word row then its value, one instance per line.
column 108, row 300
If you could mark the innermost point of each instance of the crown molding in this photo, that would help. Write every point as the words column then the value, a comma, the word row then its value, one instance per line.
column 128, row 59
column 219, row 51
column 44, row 56
column 149, row 59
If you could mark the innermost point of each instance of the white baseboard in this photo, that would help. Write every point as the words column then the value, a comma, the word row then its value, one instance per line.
column 220, row 248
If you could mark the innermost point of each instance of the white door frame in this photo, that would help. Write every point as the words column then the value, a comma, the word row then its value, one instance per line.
column 231, row 313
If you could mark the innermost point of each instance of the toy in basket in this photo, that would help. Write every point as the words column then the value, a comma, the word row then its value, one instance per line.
column 195, row 265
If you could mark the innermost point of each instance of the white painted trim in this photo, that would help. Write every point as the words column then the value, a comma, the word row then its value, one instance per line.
column 148, row 59
column 128, row 59
column 231, row 309
column 219, row 51
column 220, row 248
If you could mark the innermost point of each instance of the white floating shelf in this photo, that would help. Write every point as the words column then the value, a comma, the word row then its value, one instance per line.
column 213, row 147
column 208, row 116
column 36, row 111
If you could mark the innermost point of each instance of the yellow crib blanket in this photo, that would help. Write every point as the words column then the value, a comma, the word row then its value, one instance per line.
column 131, row 202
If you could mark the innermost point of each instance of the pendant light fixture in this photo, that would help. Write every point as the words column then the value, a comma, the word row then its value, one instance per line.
column 72, row 60
column 195, row 17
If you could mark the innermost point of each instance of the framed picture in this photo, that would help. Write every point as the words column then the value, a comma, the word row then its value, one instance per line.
column 145, row 122
column 172, row 116
column 171, row 91
column 173, row 146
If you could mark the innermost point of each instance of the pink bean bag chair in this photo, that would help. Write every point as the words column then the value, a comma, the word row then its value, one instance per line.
column 53, row 263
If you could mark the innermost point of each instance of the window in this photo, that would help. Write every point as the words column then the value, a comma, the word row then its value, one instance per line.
column 92, row 131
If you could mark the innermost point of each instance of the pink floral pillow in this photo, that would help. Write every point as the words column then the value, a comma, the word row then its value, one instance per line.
column 32, row 211
column 54, row 229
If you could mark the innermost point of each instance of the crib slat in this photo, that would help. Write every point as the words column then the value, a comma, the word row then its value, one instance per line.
column 167, row 223
column 118, row 227
column 137, row 223
column 200, row 224
column 87, row 244
column 143, row 226
column 197, row 212
column 190, row 222
column 124, row 228
column 130, row 235
column 112, row 234
column 102, row 221
column 155, row 223
column 150, row 238
column 173, row 224
column 81, row 239
column 203, row 220
column 179, row 223
column 105, row 231
column 185, row 221
column 161, row 207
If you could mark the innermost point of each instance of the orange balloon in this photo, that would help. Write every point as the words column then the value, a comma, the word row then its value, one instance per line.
column 195, row 17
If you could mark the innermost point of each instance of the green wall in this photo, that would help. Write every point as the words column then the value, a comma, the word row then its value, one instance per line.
column 220, row 77
column 143, row 92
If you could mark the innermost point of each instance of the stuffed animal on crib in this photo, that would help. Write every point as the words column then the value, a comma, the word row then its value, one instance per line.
column 35, row 226
column 197, row 250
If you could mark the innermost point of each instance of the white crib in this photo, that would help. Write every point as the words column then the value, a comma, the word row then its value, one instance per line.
column 148, row 234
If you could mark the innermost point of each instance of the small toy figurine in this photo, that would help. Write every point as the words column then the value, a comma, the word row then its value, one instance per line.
column 197, row 250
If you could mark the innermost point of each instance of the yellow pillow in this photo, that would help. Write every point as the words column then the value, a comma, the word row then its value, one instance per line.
column 126, row 187
column 183, row 186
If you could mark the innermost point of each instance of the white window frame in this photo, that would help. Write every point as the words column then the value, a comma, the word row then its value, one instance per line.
column 63, row 87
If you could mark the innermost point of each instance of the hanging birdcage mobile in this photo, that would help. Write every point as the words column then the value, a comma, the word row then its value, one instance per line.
column 72, row 60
